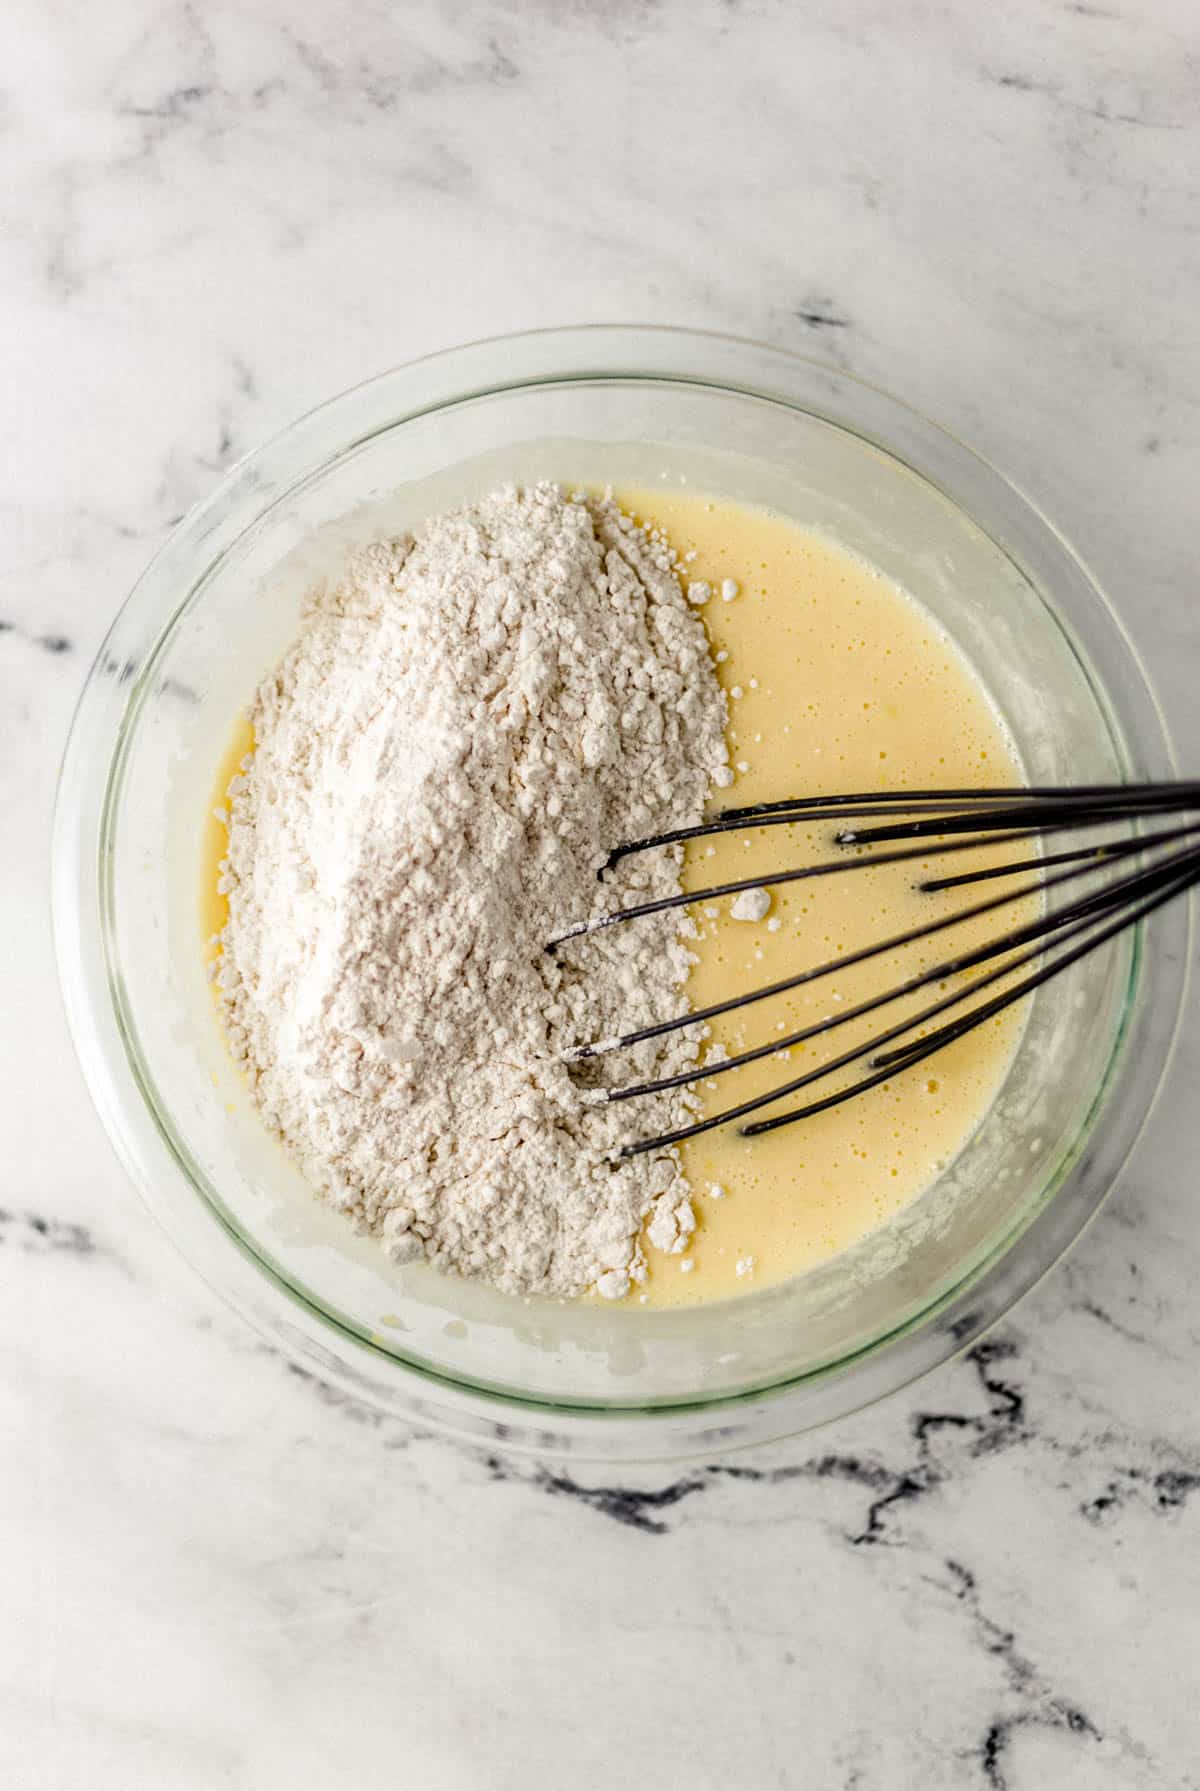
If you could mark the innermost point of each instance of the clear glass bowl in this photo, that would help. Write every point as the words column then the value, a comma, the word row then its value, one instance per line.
column 219, row 605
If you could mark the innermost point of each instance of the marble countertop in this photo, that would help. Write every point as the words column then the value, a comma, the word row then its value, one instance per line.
column 217, row 1572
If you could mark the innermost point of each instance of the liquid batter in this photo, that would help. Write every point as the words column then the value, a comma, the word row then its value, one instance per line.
column 214, row 907
column 837, row 682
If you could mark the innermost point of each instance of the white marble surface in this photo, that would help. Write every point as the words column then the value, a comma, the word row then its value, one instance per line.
column 216, row 1573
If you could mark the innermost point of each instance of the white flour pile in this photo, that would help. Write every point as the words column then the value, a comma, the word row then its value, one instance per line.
column 467, row 724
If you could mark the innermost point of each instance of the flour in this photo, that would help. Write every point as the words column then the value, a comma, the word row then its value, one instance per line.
column 468, row 723
column 750, row 904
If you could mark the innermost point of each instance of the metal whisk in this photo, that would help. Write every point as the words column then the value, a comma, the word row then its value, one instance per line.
column 1166, row 863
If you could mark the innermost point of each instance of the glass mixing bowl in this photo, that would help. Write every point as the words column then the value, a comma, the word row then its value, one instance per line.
column 217, row 608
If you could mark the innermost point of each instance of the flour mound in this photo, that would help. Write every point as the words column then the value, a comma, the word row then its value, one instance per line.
column 468, row 723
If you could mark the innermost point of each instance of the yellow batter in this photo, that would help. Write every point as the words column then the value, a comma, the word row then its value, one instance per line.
column 214, row 907
column 837, row 682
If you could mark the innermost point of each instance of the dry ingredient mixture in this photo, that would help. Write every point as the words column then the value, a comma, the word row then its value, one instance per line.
column 468, row 723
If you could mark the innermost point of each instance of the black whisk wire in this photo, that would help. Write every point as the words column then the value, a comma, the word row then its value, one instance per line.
column 889, row 1065
column 1097, row 854
column 1079, row 918
column 895, row 942
column 947, row 821
column 1004, row 822
column 1067, row 921
column 820, row 1071
column 1128, row 799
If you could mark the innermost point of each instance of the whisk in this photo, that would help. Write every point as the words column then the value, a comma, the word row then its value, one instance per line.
column 1166, row 862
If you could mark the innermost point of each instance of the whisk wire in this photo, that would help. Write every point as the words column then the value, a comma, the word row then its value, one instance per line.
column 946, row 822
column 1070, row 923
column 940, row 1040
column 1070, row 920
column 1129, row 799
column 895, row 942
column 820, row 1071
column 1113, row 850
column 1005, row 823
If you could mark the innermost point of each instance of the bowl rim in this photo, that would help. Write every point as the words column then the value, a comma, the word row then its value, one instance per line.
column 89, row 783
